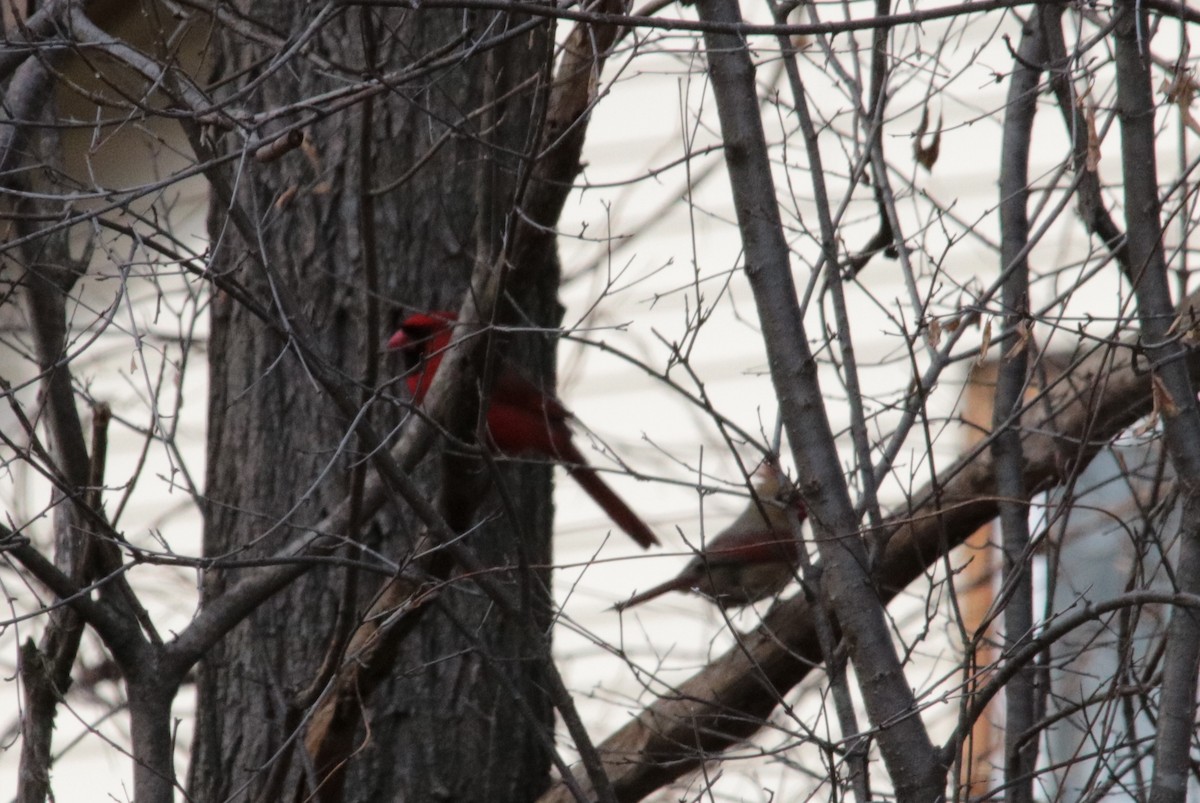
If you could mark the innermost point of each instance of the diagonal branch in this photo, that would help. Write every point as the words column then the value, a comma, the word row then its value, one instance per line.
column 907, row 749
column 40, row 25
column 1175, row 393
column 372, row 649
column 1091, row 202
column 49, row 274
column 550, row 181
column 731, row 698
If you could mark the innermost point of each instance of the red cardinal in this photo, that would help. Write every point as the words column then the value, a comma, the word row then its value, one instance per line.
column 521, row 419
column 751, row 559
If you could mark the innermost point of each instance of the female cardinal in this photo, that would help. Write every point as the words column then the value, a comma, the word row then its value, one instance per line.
column 751, row 559
column 521, row 419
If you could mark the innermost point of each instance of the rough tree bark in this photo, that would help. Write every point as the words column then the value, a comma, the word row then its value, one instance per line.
column 447, row 724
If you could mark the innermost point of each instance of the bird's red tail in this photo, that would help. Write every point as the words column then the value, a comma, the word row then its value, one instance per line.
column 605, row 497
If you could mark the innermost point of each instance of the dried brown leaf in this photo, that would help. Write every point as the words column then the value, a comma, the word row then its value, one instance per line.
column 1181, row 89
column 927, row 155
column 970, row 317
column 280, row 146
column 1024, row 338
column 1191, row 335
column 1092, row 162
column 985, row 342
column 1164, row 403
column 286, row 196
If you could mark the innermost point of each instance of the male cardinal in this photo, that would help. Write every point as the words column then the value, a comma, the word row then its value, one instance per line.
column 751, row 559
column 521, row 419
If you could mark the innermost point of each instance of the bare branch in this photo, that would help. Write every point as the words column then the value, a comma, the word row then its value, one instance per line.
column 907, row 750
column 725, row 702
column 1007, row 454
column 1176, row 391
column 1168, row 7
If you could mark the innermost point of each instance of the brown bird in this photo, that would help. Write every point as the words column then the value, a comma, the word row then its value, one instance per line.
column 751, row 559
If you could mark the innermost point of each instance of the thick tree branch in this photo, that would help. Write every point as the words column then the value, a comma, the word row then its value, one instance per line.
column 118, row 633
column 731, row 698
column 46, row 668
column 907, row 750
column 1175, row 394
column 550, row 182
column 40, row 25
column 49, row 274
column 1011, row 383
column 835, row 660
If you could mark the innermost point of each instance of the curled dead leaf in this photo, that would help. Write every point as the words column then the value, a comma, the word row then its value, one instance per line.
column 985, row 342
column 279, row 146
column 286, row 196
column 927, row 155
column 933, row 332
column 1024, row 337
column 1181, row 89
column 967, row 318
column 1092, row 161
column 1164, row 403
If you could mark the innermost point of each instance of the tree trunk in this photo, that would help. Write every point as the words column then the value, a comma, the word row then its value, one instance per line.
column 458, row 718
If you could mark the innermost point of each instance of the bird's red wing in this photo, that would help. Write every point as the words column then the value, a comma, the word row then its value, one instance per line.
column 523, row 420
column 519, row 431
column 514, row 390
